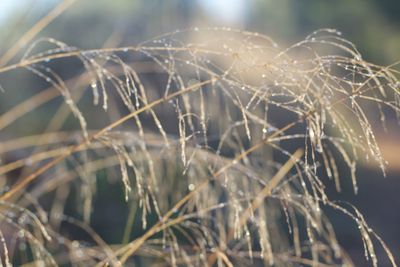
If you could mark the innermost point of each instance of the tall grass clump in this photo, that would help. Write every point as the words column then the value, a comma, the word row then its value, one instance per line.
column 221, row 143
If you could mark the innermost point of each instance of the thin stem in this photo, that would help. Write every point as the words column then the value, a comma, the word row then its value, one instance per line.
column 32, row 32
column 28, row 179
column 133, row 246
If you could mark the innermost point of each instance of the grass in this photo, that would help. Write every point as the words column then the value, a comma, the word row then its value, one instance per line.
column 221, row 147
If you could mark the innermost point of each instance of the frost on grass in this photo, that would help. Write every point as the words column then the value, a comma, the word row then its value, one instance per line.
column 201, row 132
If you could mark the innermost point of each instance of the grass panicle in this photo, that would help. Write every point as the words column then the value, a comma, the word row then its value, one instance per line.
column 219, row 141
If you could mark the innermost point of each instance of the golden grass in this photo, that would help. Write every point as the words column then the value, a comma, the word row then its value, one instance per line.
column 221, row 152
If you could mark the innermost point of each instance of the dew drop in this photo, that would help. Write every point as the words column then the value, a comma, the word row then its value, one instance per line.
column 191, row 187
column 93, row 85
column 75, row 244
column 21, row 234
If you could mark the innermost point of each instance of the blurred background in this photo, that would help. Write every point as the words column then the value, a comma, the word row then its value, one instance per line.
column 372, row 25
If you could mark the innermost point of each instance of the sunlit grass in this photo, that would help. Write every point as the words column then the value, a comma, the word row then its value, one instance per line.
column 220, row 145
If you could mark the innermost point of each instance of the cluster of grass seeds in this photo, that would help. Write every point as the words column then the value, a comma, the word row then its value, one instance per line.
column 219, row 143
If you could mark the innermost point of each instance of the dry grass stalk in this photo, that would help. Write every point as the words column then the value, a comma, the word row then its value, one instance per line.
column 199, row 147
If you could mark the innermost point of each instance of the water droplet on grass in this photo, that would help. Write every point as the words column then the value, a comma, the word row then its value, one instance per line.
column 93, row 85
column 191, row 187
column 21, row 233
